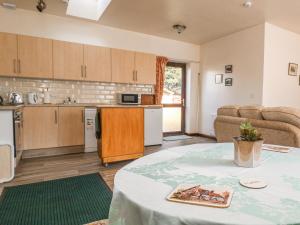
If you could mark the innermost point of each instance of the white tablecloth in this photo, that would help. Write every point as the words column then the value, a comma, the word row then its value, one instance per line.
column 142, row 186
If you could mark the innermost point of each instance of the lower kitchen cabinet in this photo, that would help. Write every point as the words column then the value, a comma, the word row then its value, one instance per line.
column 52, row 127
column 70, row 126
column 122, row 134
column 40, row 127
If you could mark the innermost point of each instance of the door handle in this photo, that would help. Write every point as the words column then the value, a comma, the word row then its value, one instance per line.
column 183, row 102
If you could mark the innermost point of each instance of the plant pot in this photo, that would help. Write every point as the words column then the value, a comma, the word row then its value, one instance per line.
column 247, row 153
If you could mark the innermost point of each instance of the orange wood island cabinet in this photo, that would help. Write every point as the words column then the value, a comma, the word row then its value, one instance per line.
column 122, row 134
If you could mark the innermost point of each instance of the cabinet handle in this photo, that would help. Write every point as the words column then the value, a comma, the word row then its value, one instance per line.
column 19, row 66
column 55, row 118
column 15, row 65
column 82, row 112
column 136, row 75
column 81, row 70
column 133, row 75
column 85, row 71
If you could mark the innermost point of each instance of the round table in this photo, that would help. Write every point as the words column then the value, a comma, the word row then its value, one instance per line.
column 142, row 186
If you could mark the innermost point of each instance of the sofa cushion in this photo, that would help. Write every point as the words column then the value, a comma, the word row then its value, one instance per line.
column 229, row 110
column 282, row 114
column 251, row 112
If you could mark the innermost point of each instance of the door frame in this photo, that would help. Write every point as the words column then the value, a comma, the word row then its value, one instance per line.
column 183, row 99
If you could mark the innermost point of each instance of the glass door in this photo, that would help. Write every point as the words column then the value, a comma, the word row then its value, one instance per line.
column 173, row 98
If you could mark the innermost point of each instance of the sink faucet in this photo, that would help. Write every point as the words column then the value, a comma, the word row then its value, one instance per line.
column 69, row 100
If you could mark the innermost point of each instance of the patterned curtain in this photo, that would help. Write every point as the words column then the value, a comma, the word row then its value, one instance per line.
column 161, row 63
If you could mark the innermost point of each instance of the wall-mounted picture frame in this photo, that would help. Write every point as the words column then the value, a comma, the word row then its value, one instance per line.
column 219, row 78
column 293, row 69
column 228, row 81
column 228, row 69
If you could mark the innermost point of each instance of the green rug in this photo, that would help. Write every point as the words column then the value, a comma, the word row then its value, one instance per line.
column 70, row 201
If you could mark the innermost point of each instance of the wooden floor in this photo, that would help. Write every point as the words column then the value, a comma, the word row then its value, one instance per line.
column 55, row 167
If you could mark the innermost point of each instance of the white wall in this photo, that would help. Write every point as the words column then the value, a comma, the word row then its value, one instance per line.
column 281, row 48
column 192, row 98
column 76, row 30
column 245, row 51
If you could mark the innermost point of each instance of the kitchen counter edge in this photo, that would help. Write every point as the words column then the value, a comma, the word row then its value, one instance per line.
column 15, row 107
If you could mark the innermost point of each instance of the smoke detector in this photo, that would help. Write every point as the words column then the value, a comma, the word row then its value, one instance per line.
column 248, row 3
column 179, row 28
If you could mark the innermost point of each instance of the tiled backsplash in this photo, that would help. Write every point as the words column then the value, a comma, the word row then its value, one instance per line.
column 81, row 91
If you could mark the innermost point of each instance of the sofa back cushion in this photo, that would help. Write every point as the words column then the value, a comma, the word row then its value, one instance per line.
column 251, row 112
column 229, row 110
column 282, row 114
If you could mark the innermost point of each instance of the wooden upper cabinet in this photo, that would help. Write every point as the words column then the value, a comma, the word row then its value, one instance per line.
column 71, row 126
column 145, row 66
column 40, row 127
column 8, row 54
column 34, row 57
column 68, row 60
column 97, row 62
column 122, row 66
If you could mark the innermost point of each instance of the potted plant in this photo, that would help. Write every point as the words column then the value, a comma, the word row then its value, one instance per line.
column 247, row 147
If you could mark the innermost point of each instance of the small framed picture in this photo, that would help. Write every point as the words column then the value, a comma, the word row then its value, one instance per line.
column 228, row 82
column 219, row 78
column 228, row 69
column 293, row 69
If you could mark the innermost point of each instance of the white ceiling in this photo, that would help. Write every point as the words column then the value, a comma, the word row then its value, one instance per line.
column 205, row 19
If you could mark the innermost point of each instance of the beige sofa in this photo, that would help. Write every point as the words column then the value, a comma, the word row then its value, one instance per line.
column 278, row 125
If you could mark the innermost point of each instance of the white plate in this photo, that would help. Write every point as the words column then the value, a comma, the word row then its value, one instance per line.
column 254, row 183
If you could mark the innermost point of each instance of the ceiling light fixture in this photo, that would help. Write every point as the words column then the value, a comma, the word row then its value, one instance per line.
column 247, row 4
column 88, row 9
column 9, row 5
column 179, row 28
column 41, row 6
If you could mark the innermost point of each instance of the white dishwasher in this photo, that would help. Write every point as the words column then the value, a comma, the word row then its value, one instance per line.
column 153, row 119
column 90, row 130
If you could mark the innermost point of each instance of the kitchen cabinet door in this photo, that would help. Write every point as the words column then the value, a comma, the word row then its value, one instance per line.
column 71, row 126
column 145, row 66
column 34, row 57
column 122, row 134
column 68, row 61
column 122, row 66
column 97, row 62
column 8, row 54
column 40, row 127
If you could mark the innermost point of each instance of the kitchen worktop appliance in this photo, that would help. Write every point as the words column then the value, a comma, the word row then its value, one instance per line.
column 15, row 98
column 129, row 98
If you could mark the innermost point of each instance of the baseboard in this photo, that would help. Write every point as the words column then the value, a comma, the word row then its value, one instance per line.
column 35, row 153
column 207, row 136
column 201, row 135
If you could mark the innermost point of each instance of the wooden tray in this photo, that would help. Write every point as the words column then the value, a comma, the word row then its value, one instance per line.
column 203, row 203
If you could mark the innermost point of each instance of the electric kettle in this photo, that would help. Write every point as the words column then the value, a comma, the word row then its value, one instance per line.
column 33, row 98
column 15, row 98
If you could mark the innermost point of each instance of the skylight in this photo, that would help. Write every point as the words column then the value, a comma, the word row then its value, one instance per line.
column 88, row 9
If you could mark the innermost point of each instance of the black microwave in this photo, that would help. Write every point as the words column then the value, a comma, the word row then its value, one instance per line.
column 129, row 99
